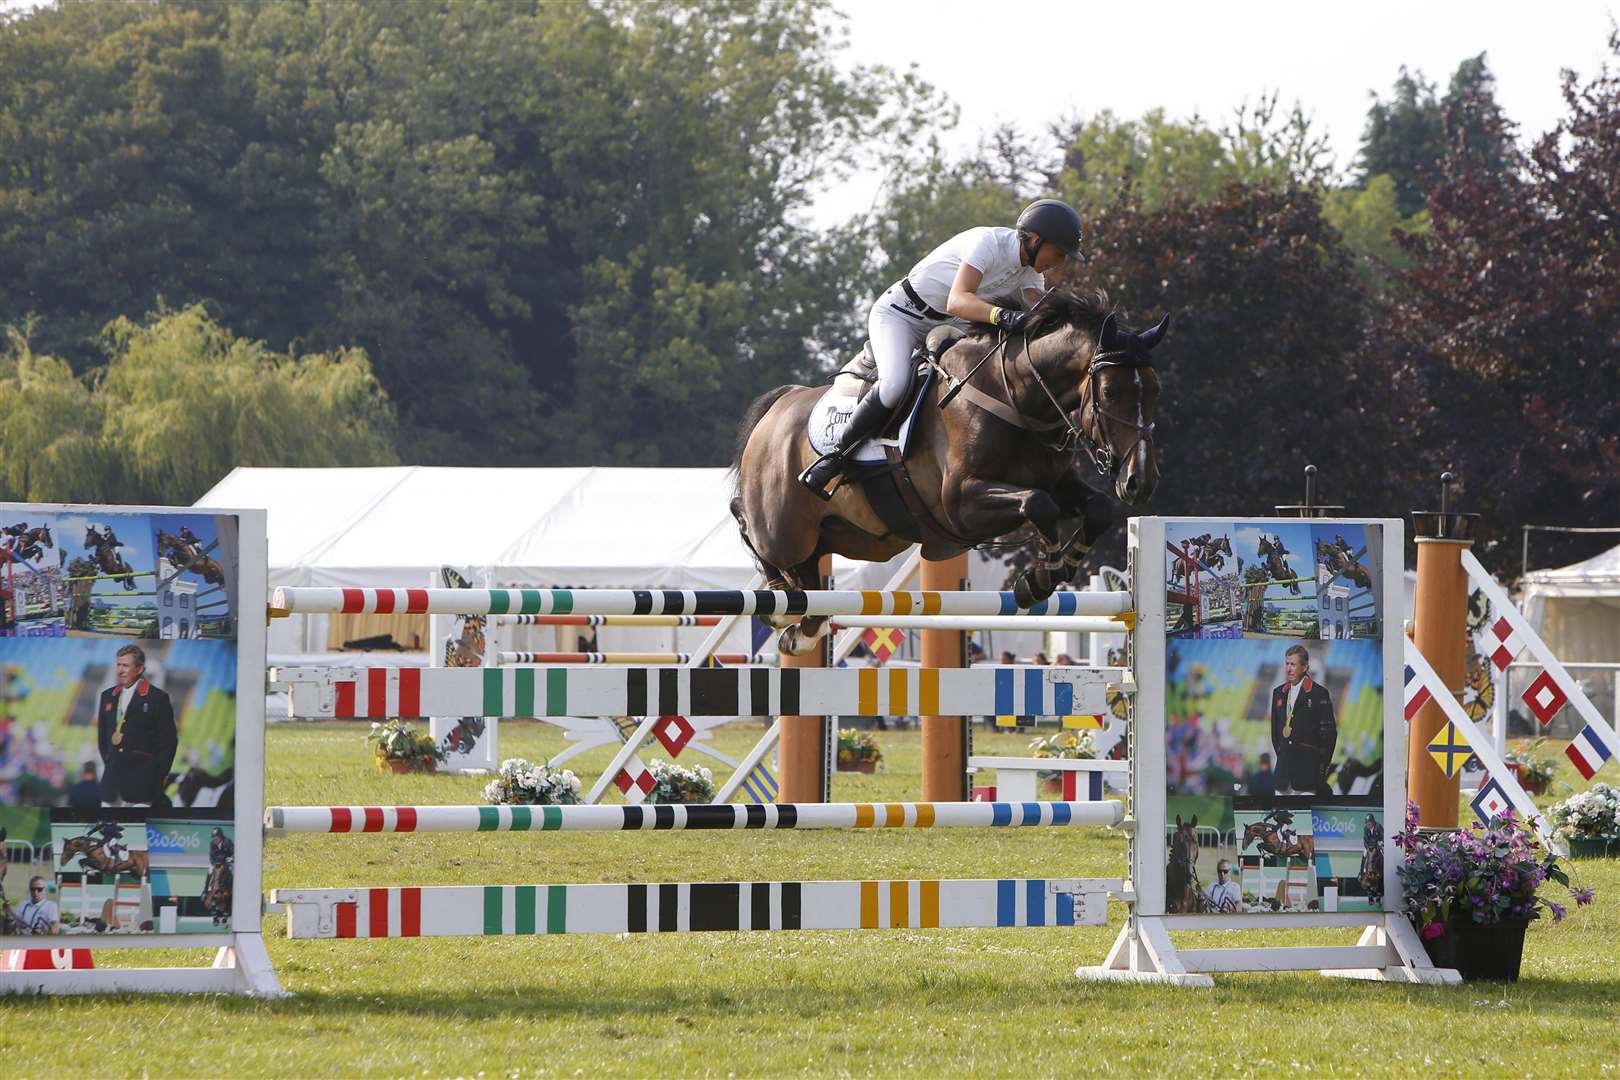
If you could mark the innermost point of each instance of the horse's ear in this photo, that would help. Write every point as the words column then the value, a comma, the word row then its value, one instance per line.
column 1154, row 335
column 1178, row 821
column 1194, row 821
column 1108, row 335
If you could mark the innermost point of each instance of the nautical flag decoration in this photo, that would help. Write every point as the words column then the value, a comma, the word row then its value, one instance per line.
column 1491, row 802
column 674, row 732
column 1450, row 750
column 1417, row 694
column 634, row 780
column 760, row 784
column 1545, row 697
column 1076, row 722
column 882, row 644
column 1588, row 751
column 1090, row 789
column 1503, row 643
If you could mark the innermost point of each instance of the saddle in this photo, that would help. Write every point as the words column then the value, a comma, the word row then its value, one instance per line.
column 878, row 465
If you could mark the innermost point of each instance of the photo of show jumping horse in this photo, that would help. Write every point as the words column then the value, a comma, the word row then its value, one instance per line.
column 29, row 543
column 1341, row 562
column 1047, row 428
column 190, row 557
column 95, row 857
column 1274, row 556
column 104, row 548
column 1265, row 835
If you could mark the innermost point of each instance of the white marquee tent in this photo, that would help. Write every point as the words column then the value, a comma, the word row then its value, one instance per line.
column 574, row 527
column 1576, row 608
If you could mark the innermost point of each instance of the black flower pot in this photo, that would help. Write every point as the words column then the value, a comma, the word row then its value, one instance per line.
column 1442, row 950
column 1489, row 952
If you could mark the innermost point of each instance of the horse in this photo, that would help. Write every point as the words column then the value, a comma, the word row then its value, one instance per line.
column 108, row 561
column 1264, row 833
column 1183, row 894
column 1341, row 563
column 216, row 897
column 29, row 543
column 1022, row 431
column 95, row 857
column 1277, row 568
column 189, row 557
column 1371, row 874
column 1214, row 553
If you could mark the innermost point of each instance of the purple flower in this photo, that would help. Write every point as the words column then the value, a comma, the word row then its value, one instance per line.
column 1558, row 910
column 1582, row 896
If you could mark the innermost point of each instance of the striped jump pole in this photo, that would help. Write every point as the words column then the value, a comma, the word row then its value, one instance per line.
column 1073, row 624
column 631, row 658
column 290, row 600
column 641, row 621
column 408, row 693
column 506, row 910
column 676, row 817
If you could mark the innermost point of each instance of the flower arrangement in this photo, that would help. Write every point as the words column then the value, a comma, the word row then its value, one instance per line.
column 857, row 751
column 1077, row 745
column 520, row 783
column 1463, row 876
column 674, row 784
column 398, row 746
column 1535, row 773
column 1590, row 820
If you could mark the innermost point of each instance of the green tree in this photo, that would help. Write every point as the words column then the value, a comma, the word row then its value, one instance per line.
column 180, row 403
column 1369, row 220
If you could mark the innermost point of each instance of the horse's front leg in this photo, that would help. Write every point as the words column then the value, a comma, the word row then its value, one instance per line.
column 1096, row 516
column 993, row 508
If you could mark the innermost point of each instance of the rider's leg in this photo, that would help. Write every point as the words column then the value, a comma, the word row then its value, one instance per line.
column 894, row 336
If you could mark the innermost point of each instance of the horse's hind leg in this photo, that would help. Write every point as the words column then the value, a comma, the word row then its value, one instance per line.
column 803, row 636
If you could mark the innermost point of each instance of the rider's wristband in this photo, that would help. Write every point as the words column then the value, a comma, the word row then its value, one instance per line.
column 995, row 315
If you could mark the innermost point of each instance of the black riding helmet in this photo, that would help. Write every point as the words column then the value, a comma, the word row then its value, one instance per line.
column 1055, row 222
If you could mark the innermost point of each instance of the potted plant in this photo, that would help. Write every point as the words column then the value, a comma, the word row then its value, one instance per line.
column 1589, row 822
column 1074, row 745
column 1472, row 894
column 1535, row 773
column 857, row 751
column 675, row 784
column 520, row 783
column 399, row 747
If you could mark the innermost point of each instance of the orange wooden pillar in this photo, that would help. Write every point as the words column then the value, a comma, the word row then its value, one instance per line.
column 1439, row 630
column 944, row 738
column 805, row 749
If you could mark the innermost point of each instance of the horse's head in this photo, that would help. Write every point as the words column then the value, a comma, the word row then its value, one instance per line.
column 1118, row 390
column 91, row 537
column 1185, row 844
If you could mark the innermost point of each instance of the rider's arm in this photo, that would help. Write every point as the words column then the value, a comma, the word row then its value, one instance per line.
column 964, row 303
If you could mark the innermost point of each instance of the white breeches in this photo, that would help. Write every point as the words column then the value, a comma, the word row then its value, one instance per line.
column 895, row 335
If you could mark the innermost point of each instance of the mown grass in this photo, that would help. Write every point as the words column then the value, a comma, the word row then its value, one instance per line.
column 921, row 1002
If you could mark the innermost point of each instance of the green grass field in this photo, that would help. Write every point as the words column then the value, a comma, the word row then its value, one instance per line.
column 921, row 1002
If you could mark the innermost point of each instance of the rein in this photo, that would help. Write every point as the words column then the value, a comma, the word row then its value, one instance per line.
column 1075, row 436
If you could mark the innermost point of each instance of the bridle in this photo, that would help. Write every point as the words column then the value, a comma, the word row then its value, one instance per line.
column 1076, row 436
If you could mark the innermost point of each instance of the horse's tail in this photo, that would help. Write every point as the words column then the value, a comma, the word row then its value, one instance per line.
column 756, row 412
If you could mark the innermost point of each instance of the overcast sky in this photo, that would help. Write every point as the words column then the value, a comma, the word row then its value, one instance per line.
column 1207, row 58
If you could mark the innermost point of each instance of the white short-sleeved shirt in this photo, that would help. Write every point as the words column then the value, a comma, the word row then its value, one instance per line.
column 993, row 252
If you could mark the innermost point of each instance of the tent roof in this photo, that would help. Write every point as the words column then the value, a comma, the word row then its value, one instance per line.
column 1597, row 576
column 580, row 527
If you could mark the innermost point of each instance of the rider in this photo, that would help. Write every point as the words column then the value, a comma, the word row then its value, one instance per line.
column 113, row 846
column 1283, row 821
column 191, row 540
column 220, row 849
column 962, row 280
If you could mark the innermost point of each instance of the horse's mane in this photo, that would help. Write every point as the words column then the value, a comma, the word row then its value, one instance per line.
column 1062, row 307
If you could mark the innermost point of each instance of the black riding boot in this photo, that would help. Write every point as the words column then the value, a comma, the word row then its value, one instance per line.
column 865, row 421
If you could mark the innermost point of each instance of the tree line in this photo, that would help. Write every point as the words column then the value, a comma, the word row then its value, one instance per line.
column 487, row 232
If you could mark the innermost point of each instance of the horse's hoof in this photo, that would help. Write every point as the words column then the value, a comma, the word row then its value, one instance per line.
column 792, row 643
column 1028, row 591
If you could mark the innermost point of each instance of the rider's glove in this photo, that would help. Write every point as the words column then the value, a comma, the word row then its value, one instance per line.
column 1009, row 319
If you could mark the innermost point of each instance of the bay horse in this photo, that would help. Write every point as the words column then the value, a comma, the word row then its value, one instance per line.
column 29, row 543
column 1276, row 562
column 95, row 857
column 1264, row 834
column 1047, row 421
column 1183, row 895
column 107, row 558
column 189, row 558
